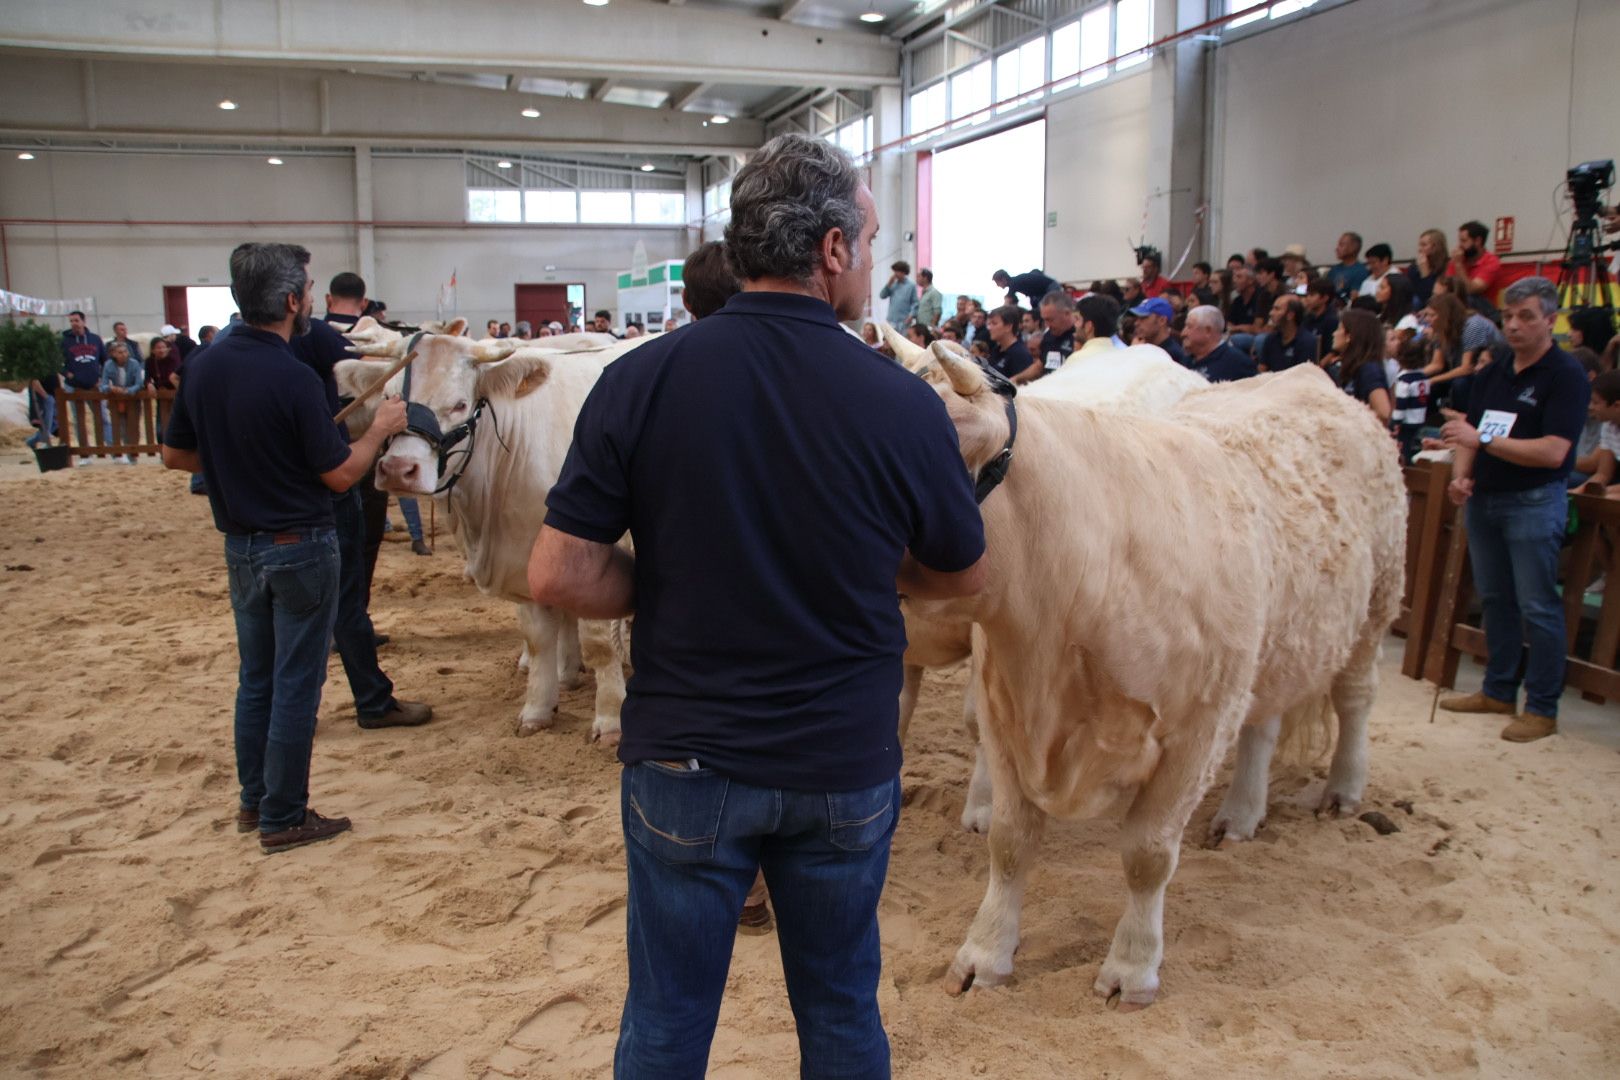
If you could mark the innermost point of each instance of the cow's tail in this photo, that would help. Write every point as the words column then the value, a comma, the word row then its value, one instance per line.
column 1307, row 731
column 621, row 647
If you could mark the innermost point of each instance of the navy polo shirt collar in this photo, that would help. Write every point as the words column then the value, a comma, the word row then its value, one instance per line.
column 264, row 337
column 782, row 305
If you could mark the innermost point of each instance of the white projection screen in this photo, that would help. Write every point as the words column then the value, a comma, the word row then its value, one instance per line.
column 989, row 207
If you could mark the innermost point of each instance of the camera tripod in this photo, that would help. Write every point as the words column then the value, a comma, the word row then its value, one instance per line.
column 1586, row 252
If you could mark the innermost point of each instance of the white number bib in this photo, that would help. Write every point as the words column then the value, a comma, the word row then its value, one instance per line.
column 1497, row 423
column 1054, row 360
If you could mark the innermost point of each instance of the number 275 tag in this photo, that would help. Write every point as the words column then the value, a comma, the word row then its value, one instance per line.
column 1497, row 423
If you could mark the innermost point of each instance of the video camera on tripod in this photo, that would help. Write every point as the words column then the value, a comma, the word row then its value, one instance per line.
column 1584, row 281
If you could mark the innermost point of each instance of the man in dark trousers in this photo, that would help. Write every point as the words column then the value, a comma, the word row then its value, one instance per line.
column 258, row 424
column 761, row 725
column 1513, row 457
column 1034, row 284
column 355, row 638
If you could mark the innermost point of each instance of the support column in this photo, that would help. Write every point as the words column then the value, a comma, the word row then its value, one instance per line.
column 365, row 250
column 1180, row 137
column 897, row 213
column 694, row 205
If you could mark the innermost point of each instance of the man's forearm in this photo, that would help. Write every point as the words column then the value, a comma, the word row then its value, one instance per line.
column 589, row 579
column 1546, row 452
column 1462, row 463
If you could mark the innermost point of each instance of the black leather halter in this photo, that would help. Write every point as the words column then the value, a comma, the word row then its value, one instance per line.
column 421, row 422
column 995, row 471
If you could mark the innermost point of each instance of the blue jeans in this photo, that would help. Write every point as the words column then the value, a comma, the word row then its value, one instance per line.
column 693, row 840
column 354, row 635
column 1513, row 542
column 413, row 517
column 47, row 421
column 284, row 596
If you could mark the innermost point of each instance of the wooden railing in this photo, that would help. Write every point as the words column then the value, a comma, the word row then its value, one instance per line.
column 1437, row 617
column 152, row 415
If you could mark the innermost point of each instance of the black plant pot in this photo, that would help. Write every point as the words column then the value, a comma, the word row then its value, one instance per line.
column 51, row 458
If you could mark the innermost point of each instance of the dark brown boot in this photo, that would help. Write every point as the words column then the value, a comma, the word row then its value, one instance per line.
column 247, row 820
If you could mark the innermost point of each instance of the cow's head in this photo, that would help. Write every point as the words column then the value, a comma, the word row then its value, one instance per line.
column 976, row 399
column 450, row 374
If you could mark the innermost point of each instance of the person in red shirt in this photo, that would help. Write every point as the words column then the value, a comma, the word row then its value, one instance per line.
column 1152, row 284
column 1471, row 261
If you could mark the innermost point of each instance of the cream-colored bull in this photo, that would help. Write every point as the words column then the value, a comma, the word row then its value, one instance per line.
column 1156, row 586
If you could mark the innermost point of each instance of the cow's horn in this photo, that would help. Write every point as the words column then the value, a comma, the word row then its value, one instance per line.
column 965, row 375
column 913, row 357
column 488, row 352
column 394, row 348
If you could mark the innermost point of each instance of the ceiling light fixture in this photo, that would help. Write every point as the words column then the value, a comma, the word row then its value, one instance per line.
column 227, row 104
column 503, row 164
column 596, row 3
column 532, row 114
column 275, row 161
column 25, row 156
column 718, row 119
column 872, row 17
column 647, row 166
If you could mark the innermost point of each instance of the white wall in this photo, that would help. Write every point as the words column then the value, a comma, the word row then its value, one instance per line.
column 1098, row 160
column 125, row 267
column 1392, row 116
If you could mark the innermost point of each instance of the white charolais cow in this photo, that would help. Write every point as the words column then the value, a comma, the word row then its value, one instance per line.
column 494, row 482
column 1157, row 585
column 1141, row 379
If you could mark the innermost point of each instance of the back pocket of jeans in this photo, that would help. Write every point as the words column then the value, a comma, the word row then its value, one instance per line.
column 240, row 575
column 857, row 820
column 300, row 588
column 674, row 813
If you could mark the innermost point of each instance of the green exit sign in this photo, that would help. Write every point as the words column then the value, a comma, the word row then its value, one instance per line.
column 1051, row 219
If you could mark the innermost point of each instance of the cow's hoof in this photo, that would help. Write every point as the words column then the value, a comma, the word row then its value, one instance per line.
column 528, row 726
column 523, row 660
column 1233, row 829
column 1124, row 988
column 605, row 731
column 974, row 966
column 976, row 819
column 1338, row 804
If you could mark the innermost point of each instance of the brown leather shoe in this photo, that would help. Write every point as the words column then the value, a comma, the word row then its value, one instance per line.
column 1528, row 727
column 400, row 714
column 1478, row 703
column 314, row 829
column 247, row 820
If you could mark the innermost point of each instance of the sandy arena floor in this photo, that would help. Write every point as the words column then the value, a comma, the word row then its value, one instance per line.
column 472, row 923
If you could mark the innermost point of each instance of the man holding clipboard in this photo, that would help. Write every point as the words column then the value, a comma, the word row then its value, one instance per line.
column 1514, row 453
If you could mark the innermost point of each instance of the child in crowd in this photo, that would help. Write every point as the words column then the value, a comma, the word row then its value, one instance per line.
column 1411, row 399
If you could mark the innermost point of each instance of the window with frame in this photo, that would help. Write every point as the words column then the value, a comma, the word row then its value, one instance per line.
column 1020, row 73
column 551, row 207
column 928, row 107
column 970, row 93
column 1133, row 31
column 605, row 208
column 660, row 207
column 494, row 206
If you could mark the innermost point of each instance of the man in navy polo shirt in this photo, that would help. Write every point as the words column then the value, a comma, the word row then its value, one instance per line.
column 257, row 424
column 353, row 636
column 782, row 482
column 1288, row 344
column 1153, row 327
column 1207, row 354
column 1008, row 353
column 1514, row 453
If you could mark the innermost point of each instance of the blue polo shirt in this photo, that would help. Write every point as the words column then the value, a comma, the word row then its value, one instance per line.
column 1012, row 361
column 1280, row 357
column 1549, row 397
column 259, row 420
column 772, row 471
column 321, row 349
column 1223, row 363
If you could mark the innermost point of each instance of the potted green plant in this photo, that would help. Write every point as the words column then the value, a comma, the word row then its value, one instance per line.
column 29, row 351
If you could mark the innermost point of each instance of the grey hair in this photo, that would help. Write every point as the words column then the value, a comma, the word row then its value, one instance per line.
column 784, row 201
column 1058, row 298
column 263, row 275
column 118, row 346
column 1533, row 288
column 1208, row 315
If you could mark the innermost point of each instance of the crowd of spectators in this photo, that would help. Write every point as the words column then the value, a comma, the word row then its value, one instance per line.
column 1408, row 340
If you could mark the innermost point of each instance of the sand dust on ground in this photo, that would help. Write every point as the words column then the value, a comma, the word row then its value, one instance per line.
column 472, row 924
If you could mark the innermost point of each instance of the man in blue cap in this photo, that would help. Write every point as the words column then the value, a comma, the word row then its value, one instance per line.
column 1153, row 327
